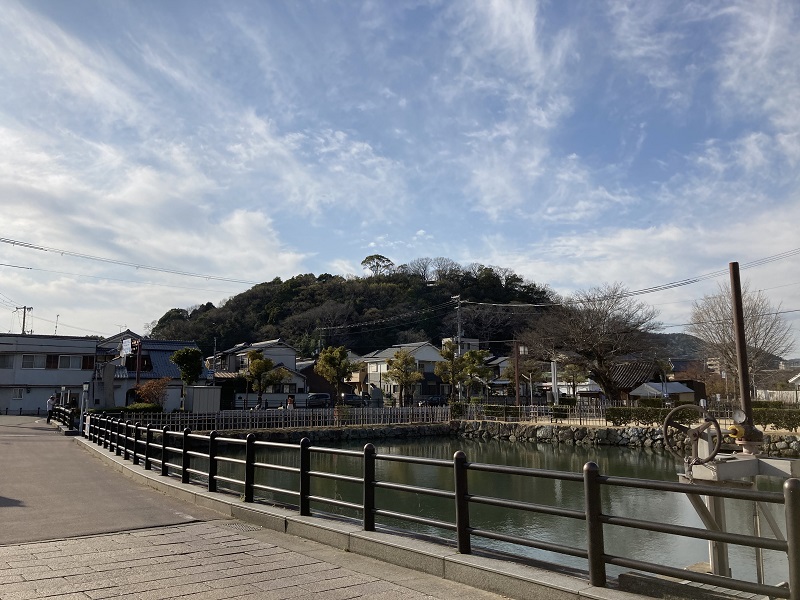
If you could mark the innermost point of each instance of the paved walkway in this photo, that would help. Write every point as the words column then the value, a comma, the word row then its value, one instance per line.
column 71, row 527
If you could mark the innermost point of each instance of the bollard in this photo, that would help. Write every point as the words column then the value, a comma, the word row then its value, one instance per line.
column 594, row 527
column 369, row 488
column 462, row 502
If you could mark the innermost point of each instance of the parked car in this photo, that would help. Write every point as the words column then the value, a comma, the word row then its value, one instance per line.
column 353, row 400
column 433, row 401
column 318, row 400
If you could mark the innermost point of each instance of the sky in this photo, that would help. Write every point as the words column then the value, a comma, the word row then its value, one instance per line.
column 158, row 155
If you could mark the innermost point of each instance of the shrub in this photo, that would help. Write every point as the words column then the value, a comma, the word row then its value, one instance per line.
column 774, row 404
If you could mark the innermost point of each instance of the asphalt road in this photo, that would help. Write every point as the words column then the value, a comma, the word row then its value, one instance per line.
column 50, row 488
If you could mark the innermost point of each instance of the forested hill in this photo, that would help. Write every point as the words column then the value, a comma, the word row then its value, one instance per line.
column 411, row 303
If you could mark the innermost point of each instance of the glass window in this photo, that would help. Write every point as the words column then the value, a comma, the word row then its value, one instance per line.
column 52, row 361
column 6, row 361
column 33, row 361
column 16, row 393
column 67, row 361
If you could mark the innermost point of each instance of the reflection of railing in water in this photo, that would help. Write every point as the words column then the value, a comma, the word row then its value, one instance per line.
column 174, row 451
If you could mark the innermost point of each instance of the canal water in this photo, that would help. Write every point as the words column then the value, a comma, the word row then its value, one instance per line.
column 664, row 507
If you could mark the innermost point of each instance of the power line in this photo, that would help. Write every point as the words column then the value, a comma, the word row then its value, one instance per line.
column 123, row 262
column 179, row 287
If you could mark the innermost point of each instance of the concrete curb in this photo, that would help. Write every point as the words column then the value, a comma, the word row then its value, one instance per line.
column 488, row 574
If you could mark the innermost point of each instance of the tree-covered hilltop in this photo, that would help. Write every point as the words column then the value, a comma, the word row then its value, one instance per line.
column 409, row 303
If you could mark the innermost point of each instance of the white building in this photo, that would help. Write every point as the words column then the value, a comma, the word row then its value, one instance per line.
column 32, row 367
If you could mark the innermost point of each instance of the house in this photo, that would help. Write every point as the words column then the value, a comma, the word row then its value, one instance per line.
column 629, row 376
column 32, row 367
column 675, row 392
column 231, row 368
column 425, row 355
column 119, row 371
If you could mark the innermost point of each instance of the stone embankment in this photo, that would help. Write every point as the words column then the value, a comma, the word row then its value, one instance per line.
column 775, row 444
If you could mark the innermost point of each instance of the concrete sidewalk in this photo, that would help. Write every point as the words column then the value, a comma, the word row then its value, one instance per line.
column 72, row 527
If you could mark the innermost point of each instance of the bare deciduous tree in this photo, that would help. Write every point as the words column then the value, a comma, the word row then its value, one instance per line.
column 597, row 329
column 766, row 333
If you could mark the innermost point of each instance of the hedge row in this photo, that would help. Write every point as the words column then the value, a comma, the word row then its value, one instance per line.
column 138, row 407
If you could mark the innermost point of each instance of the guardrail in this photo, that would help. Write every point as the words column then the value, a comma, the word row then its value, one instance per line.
column 174, row 452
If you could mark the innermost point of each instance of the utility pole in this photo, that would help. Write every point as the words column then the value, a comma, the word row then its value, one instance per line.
column 25, row 310
column 458, row 334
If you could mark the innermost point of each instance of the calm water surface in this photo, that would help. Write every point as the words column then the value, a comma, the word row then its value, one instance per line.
column 662, row 507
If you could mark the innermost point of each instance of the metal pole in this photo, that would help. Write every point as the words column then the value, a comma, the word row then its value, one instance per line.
column 305, row 478
column 594, row 527
column 185, row 456
column 791, row 495
column 212, row 461
column 249, row 466
column 368, row 493
column 462, row 502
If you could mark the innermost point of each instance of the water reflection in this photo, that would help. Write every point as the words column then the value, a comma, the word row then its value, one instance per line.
column 623, row 462
column 664, row 507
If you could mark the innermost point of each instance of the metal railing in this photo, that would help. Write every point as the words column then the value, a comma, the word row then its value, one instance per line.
column 174, row 451
column 229, row 420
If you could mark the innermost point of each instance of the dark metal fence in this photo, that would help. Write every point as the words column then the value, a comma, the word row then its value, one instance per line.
column 173, row 453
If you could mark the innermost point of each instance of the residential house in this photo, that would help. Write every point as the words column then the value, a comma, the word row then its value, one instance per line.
column 119, row 372
column 232, row 367
column 671, row 392
column 425, row 355
column 33, row 367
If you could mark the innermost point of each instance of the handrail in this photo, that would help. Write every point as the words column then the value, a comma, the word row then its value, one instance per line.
column 126, row 439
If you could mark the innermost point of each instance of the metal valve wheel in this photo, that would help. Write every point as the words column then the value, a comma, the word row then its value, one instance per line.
column 693, row 434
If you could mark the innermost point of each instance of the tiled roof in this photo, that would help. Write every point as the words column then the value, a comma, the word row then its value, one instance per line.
column 633, row 374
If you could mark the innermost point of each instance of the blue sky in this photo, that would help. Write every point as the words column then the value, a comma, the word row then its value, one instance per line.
column 577, row 143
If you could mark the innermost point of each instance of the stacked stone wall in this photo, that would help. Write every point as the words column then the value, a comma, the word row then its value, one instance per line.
column 775, row 444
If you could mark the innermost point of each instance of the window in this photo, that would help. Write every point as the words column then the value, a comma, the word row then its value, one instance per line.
column 6, row 361
column 67, row 361
column 33, row 361
column 16, row 393
column 87, row 362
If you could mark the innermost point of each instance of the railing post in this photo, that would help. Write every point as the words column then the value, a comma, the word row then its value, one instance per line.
column 305, row 477
column 369, row 488
column 791, row 496
column 164, row 466
column 185, row 456
column 105, row 431
column 148, row 440
column 212, row 461
column 136, row 426
column 125, row 439
column 117, row 449
column 249, row 466
column 462, row 502
column 594, row 527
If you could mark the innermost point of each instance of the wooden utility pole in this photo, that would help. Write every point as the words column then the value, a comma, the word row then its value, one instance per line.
column 25, row 310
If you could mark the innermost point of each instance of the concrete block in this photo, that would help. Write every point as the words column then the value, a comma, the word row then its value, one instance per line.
column 330, row 533
column 514, row 580
column 405, row 552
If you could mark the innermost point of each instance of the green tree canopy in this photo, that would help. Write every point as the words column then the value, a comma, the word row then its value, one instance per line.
column 257, row 369
column 190, row 363
column 335, row 367
column 402, row 370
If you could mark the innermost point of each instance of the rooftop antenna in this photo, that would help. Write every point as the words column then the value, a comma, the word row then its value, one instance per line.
column 56, row 329
column 121, row 327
